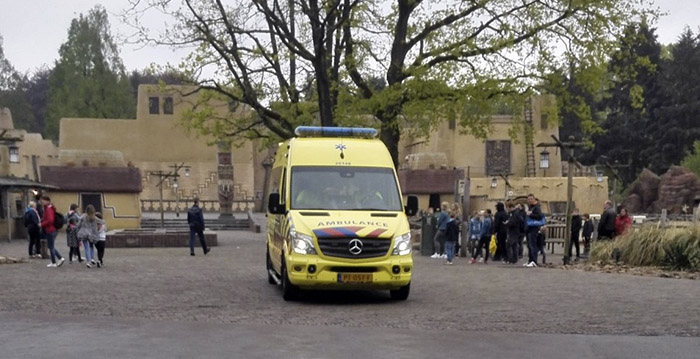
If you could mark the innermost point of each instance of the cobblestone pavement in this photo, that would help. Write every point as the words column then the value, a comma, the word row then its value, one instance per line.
column 230, row 286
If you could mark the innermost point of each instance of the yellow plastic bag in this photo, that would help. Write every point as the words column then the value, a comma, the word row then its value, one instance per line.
column 492, row 245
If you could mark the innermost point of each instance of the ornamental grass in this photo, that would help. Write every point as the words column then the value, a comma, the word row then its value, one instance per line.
column 672, row 248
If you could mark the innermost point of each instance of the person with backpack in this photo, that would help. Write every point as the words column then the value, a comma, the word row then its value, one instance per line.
column 48, row 225
column 32, row 221
column 88, row 233
column 195, row 219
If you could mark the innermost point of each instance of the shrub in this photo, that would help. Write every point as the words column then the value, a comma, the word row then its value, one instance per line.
column 675, row 248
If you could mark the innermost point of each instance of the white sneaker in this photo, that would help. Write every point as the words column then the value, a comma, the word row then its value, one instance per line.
column 531, row 265
column 435, row 255
column 526, row 264
column 444, row 256
column 60, row 262
column 92, row 261
column 481, row 260
column 51, row 265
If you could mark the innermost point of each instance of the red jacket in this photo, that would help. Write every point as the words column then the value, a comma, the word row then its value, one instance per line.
column 47, row 219
column 622, row 223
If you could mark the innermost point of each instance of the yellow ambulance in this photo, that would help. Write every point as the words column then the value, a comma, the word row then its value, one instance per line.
column 336, row 217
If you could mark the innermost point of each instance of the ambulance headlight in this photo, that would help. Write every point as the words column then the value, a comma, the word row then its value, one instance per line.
column 302, row 243
column 402, row 245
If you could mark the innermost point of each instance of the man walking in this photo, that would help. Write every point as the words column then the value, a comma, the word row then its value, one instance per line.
column 534, row 222
column 50, row 231
column 606, row 226
column 514, row 225
column 195, row 219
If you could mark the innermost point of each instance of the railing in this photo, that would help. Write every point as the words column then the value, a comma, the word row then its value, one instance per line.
column 153, row 205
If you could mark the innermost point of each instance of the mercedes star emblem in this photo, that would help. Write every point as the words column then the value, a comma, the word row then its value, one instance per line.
column 355, row 246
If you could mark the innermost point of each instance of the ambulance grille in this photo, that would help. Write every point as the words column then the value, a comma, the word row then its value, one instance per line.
column 340, row 247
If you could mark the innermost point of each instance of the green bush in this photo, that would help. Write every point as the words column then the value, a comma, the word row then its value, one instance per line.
column 674, row 248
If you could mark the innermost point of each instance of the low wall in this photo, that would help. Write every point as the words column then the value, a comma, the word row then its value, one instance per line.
column 155, row 238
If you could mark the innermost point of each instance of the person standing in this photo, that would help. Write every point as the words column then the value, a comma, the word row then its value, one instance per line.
column 534, row 219
column 195, row 219
column 475, row 230
column 439, row 237
column 72, row 219
column 88, row 233
column 484, row 240
column 606, row 226
column 101, row 240
column 575, row 232
column 33, row 223
column 50, row 231
column 451, row 236
column 587, row 233
column 514, row 226
column 500, row 230
column 622, row 222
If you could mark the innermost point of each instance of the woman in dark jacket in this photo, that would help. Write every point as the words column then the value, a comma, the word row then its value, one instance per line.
column 32, row 222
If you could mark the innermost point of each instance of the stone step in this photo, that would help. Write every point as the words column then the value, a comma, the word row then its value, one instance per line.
column 237, row 224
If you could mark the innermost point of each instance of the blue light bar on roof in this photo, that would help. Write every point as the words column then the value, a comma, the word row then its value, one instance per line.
column 319, row 131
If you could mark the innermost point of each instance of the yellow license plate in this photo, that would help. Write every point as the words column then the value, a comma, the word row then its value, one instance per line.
column 354, row 277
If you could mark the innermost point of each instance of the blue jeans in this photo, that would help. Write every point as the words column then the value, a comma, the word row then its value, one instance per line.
column 200, row 233
column 50, row 241
column 532, row 247
column 450, row 250
column 89, row 250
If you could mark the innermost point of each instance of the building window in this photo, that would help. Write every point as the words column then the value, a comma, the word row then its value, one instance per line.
column 168, row 106
column 153, row 105
column 497, row 158
column 14, row 155
column 452, row 123
column 543, row 121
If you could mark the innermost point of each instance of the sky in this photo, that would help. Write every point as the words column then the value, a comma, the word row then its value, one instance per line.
column 34, row 30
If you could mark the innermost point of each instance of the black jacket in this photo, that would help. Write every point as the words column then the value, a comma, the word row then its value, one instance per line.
column 587, row 229
column 195, row 218
column 499, row 220
column 452, row 231
column 536, row 214
column 575, row 223
column 606, row 226
column 515, row 224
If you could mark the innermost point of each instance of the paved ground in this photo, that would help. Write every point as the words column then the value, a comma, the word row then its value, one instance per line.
column 229, row 286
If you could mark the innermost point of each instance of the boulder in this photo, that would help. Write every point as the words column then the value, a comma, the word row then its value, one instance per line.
column 678, row 187
column 643, row 192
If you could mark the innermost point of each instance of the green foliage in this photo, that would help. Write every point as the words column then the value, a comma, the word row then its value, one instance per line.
column 674, row 248
column 89, row 78
column 692, row 160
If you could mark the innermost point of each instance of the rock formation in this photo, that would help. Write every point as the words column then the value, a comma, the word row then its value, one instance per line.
column 677, row 188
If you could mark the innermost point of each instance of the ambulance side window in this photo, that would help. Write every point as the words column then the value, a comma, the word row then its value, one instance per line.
column 275, row 178
column 283, row 188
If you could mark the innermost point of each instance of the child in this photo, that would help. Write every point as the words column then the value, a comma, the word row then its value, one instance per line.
column 72, row 239
column 542, row 243
column 587, row 233
column 100, row 245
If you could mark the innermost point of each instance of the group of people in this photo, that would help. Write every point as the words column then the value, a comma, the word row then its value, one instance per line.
column 88, row 230
column 517, row 224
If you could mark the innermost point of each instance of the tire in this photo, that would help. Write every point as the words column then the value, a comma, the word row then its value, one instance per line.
column 401, row 293
column 270, row 279
column 290, row 292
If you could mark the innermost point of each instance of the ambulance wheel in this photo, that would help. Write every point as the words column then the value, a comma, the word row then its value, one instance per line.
column 290, row 292
column 401, row 293
column 270, row 279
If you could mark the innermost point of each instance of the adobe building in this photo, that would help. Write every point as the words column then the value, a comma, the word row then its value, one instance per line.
column 20, row 155
column 500, row 168
column 155, row 141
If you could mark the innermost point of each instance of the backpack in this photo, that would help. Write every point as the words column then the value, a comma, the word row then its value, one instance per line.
column 58, row 220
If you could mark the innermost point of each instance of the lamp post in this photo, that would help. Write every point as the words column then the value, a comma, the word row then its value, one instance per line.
column 568, row 148
column 162, row 176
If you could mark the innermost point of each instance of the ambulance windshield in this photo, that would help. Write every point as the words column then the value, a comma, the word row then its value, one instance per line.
column 344, row 188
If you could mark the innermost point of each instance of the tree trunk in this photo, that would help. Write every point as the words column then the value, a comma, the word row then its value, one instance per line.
column 390, row 135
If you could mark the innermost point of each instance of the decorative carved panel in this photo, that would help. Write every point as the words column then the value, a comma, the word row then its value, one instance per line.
column 498, row 158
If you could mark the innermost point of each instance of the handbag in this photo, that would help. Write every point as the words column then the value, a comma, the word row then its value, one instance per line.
column 535, row 223
column 492, row 245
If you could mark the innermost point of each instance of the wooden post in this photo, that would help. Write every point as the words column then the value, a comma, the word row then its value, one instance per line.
column 569, row 204
column 162, row 216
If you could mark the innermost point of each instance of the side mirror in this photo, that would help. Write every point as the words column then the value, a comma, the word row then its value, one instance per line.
column 411, row 207
column 273, row 204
